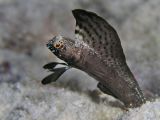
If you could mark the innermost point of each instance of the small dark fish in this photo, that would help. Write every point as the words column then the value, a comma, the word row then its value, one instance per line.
column 97, row 50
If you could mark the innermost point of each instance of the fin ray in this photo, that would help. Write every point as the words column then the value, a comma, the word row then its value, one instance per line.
column 51, row 65
column 99, row 35
column 54, row 76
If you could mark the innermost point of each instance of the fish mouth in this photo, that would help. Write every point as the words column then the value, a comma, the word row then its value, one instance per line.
column 50, row 46
column 51, row 42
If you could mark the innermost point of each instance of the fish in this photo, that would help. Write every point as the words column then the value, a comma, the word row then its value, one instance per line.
column 97, row 50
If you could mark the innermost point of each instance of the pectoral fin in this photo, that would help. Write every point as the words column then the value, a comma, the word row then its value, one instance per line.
column 54, row 76
column 105, row 90
column 51, row 65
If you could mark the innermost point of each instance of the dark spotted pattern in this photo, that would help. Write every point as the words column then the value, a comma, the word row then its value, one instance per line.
column 99, row 35
column 98, row 51
column 104, row 40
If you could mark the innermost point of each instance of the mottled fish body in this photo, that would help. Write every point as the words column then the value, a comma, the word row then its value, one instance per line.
column 97, row 50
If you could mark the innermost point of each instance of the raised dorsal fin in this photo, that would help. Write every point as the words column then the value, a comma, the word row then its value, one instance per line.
column 99, row 35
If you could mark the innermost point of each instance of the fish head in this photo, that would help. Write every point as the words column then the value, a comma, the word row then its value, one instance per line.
column 62, row 47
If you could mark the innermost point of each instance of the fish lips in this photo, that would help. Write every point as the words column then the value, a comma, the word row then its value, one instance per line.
column 51, row 47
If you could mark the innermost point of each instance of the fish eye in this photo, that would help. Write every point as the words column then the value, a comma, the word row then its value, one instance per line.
column 58, row 45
